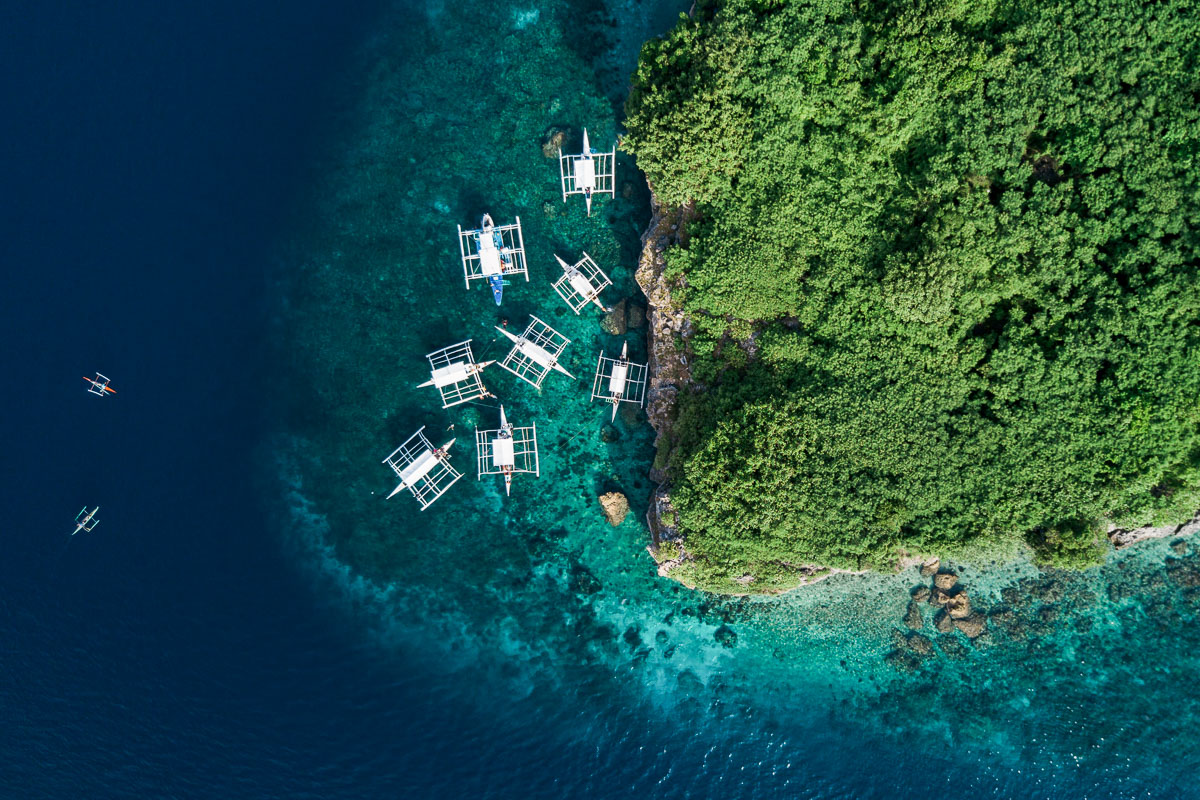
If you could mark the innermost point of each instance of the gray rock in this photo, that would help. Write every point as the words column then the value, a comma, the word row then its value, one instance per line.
column 945, row 580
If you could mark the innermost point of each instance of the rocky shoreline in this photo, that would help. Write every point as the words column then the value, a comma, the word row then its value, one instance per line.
column 667, row 332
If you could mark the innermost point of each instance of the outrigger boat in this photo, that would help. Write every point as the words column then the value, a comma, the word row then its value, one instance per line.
column 506, row 451
column 456, row 375
column 423, row 469
column 492, row 253
column 86, row 520
column 581, row 283
column 591, row 172
column 618, row 380
column 535, row 352
column 99, row 385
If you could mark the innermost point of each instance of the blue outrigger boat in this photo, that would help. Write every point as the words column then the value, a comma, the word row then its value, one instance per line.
column 493, row 258
column 492, row 253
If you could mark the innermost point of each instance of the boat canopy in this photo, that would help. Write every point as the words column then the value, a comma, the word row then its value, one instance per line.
column 581, row 283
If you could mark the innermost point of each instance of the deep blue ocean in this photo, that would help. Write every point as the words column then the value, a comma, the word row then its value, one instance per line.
column 243, row 213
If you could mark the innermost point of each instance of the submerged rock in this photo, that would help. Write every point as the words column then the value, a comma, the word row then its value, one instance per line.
column 1183, row 573
column 971, row 626
column 942, row 622
column 945, row 580
column 902, row 661
column 582, row 581
column 552, row 141
column 952, row 647
column 726, row 636
column 920, row 593
column 919, row 644
column 615, row 506
column 913, row 618
column 614, row 320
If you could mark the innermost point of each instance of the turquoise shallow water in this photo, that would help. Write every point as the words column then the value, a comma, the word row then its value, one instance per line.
column 550, row 626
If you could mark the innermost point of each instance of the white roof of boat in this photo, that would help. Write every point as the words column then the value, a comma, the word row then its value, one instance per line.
column 616, row 383
column 502, row 452
column 585, row 172
column 535, row 354
column 581, row 284
column 419, row 468
column 451, row 374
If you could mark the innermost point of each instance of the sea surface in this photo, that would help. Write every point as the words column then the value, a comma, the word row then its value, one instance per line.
column 245, row 214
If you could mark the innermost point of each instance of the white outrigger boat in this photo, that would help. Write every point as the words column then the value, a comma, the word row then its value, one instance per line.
column 535, row 352
column 99, row 385
column 86, row 520
column 423, row 469
column 492, row 253
column 618, row 380
column 589, row 173
column 456, row 375
column 581, row 283
column 506, row 451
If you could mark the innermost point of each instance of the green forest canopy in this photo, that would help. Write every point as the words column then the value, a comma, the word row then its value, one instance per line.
column 944, row 278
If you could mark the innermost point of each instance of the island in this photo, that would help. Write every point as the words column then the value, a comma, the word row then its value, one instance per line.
column 924, row 282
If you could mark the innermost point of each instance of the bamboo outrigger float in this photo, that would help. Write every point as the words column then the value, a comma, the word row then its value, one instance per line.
column 423, row 469
column 492, row 253
column 581, row 283
column 456, row 375
column 506, row 451
column 535, row 352
column 589, row 173
column 618, row 380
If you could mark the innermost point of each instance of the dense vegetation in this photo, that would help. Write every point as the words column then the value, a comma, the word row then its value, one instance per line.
column 944, row 277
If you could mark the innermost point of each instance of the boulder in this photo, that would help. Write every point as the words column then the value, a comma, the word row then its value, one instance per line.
column 971, row 625
column 942, row 622
column 930, row 567
column 939, row 597
column 615, row 506
column 912, row 617
column 945, row 580
column 920, row 593
column 958, row 606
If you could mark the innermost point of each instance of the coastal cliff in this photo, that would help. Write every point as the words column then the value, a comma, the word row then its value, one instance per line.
column 667, row 332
